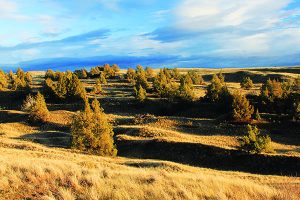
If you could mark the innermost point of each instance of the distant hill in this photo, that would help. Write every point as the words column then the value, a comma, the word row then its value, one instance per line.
column 154, row 61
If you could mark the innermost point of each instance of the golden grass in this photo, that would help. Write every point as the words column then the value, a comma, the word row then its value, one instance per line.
column 42, row 173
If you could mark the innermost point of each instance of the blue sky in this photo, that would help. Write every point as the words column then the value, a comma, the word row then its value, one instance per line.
column 179, row 33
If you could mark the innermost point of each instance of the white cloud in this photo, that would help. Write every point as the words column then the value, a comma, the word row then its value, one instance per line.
column 9, row 10
column 242, row 27
column 248, row 14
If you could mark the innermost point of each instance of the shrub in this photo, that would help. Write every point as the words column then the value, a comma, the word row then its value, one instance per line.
column 91, row 131
column 82, row 73
column 196, row 78
column 130, row 75
column 164, row 85
column 68, row 87
column 102, row 78
column 28, row 103
column 97, row 87
column 140, row 93
column 149, row 73
column 140, row 78
column 241, row 108
column 175, row 74
column 50, row 74
column 28, row 78
column 186, row 88
column 39, row 111
column 253, row 142
column 94, row 72
column 21, row 81
column 247, row 83
column 274, row 90
column 3, row 80
column 217, row 90
column 115, row 69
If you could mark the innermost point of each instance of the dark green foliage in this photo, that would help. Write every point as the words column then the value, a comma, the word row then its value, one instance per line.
column 253, row 142
column 97, row 87
column 68, row 87
column 130, row 75
column 21, row 81
column 51, row 74
column 140, row 94
column 140, row 79
column 38, row 111
column 94, row 72
column 196, row 78
column 241, row 108
column 3, row 81
column 186, row 88
column 164, row 85
column 81, row 73
column 102, row 78
column 175, row 74
column 149, row 73
column 217, row 90
column 247, row 83
column 92, row 132
column 114, row 69
column 274, row 90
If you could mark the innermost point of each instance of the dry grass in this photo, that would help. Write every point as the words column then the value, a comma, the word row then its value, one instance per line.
column 42, row 173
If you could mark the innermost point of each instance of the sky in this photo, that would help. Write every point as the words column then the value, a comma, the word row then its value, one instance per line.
column 178, row 33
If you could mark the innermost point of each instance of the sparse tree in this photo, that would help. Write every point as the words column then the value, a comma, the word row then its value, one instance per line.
column 3, row 80
column 92, row 132
column 102, row 78
column 140, row 93
column 140, row 78
column 186, row 88
column 247, row 83
column 130, row 75
column 164, row 85
column 39, row 111
column 196, row 78
column 217, row 90
column 115, row 69
column 97, row 87
column 253, row 142
column 241, row 108
column 149, row 73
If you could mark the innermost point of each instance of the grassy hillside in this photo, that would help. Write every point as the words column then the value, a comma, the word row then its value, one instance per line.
column 37, row 162
column 33, row 171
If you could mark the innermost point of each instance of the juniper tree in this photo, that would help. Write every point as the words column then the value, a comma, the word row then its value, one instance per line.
column 115, row 69
column 164, row 85
column 186, row 88
column 246, row 83
column 217, row 90
column 140, row 78
column 149, row 73
column 196, row 78
column 39, row 111
column 241, row 108
column 130, row 75
column 50, row 74
column 102, row 78
column 97, row 87
column 140, row 93
column 253, row 142
column 92, row 132
column 3, row 80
